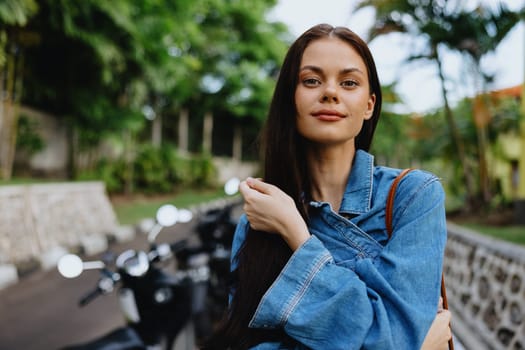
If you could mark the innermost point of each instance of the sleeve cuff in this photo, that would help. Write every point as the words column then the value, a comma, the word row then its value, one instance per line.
column 283, row 296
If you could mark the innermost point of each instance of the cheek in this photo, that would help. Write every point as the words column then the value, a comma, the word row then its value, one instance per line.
column 301, row 125
column 304, row 99
column 361, row 107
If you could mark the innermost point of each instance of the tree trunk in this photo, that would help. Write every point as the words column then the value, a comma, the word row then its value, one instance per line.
column 7, row 135
column 156, row 131
column 2, row 121
column 72, row 146
column 207, row 133
column 3, row 128
column 237, row 143
column 456, row 138
column 183, row 131
column 129, row 155
column 9, row 113
column 484, row 179
column 481, row 116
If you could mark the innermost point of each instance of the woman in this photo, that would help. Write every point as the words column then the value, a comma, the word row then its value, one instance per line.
column 313, row 264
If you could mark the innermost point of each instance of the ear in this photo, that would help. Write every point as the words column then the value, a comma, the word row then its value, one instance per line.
column 370, row 106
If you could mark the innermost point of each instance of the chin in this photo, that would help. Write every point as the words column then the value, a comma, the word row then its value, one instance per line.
column 330, row 140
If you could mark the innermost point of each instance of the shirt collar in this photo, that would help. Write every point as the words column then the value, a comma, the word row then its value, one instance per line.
column 358, row 193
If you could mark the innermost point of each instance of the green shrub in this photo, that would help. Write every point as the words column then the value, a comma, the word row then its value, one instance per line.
column 203, row 172
column 155, row 170
column 112, row 172
column 28, row 139
column 151, row 171
column 175, row 164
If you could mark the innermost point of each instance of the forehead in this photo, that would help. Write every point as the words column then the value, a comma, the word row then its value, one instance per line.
column 332, row 51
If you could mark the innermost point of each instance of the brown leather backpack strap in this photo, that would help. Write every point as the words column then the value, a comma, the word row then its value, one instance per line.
column 444, row 293
column 388, row 220
column 390, row 201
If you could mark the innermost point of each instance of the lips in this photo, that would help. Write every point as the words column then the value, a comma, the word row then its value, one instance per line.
column 328, row 115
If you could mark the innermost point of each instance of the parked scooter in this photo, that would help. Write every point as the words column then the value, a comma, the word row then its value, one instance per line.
column 166, row 310
column 157, row 305
column 215, row 229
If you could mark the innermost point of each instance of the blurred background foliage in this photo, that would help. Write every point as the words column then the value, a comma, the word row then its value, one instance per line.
column 146, row 77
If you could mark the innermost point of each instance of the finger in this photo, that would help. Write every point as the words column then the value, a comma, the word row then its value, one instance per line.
column 440, row 304
column 445, row 315
column 258, row 185
column 244, row 188
column 249, row 194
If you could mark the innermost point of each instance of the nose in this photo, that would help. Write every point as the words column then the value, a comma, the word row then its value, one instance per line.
column 329, row 95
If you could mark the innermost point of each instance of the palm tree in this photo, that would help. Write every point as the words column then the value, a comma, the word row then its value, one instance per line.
column 477, row 34
column 447, row 24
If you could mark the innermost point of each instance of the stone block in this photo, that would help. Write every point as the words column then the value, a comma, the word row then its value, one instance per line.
column 49, row 258
column 123, row 233
column 8, row 275
column 93, row 244
column 36, row 218
column 145, row 225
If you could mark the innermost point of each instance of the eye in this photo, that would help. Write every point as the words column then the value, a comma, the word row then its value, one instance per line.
column 349, row 83
column 311, row 82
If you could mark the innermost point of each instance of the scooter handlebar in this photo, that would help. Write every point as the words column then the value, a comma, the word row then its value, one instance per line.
column 86, row 299
column 178, row 246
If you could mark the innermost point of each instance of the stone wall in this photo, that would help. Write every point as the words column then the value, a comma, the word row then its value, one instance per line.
column 36, row 219
column 485, row 281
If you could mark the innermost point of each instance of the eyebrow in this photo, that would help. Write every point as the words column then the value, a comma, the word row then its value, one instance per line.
column 342, row 71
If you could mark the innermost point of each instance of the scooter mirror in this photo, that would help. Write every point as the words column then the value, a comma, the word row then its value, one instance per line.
column 185, row 215
column 232, row 186
column 167, row 215
column 70, row 266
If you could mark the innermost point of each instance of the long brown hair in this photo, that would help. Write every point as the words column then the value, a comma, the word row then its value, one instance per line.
column 262, row 256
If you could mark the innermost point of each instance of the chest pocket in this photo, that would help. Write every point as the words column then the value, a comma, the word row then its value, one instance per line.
column 346, row 242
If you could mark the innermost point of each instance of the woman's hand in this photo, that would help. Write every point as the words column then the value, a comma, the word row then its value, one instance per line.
column 439, row 333
column 270, row 209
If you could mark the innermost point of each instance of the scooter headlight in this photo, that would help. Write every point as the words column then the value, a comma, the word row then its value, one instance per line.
column 163, row 295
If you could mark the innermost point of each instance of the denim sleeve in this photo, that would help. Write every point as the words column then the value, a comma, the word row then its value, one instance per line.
column 386, row 302
column 238, row 240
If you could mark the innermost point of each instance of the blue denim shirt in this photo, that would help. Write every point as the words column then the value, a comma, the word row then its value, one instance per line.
column 348, row 286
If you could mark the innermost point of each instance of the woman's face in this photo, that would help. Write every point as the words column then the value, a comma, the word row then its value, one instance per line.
column 332, row 97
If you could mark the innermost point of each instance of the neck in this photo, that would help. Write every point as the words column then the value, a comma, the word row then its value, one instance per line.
column 329, row 168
